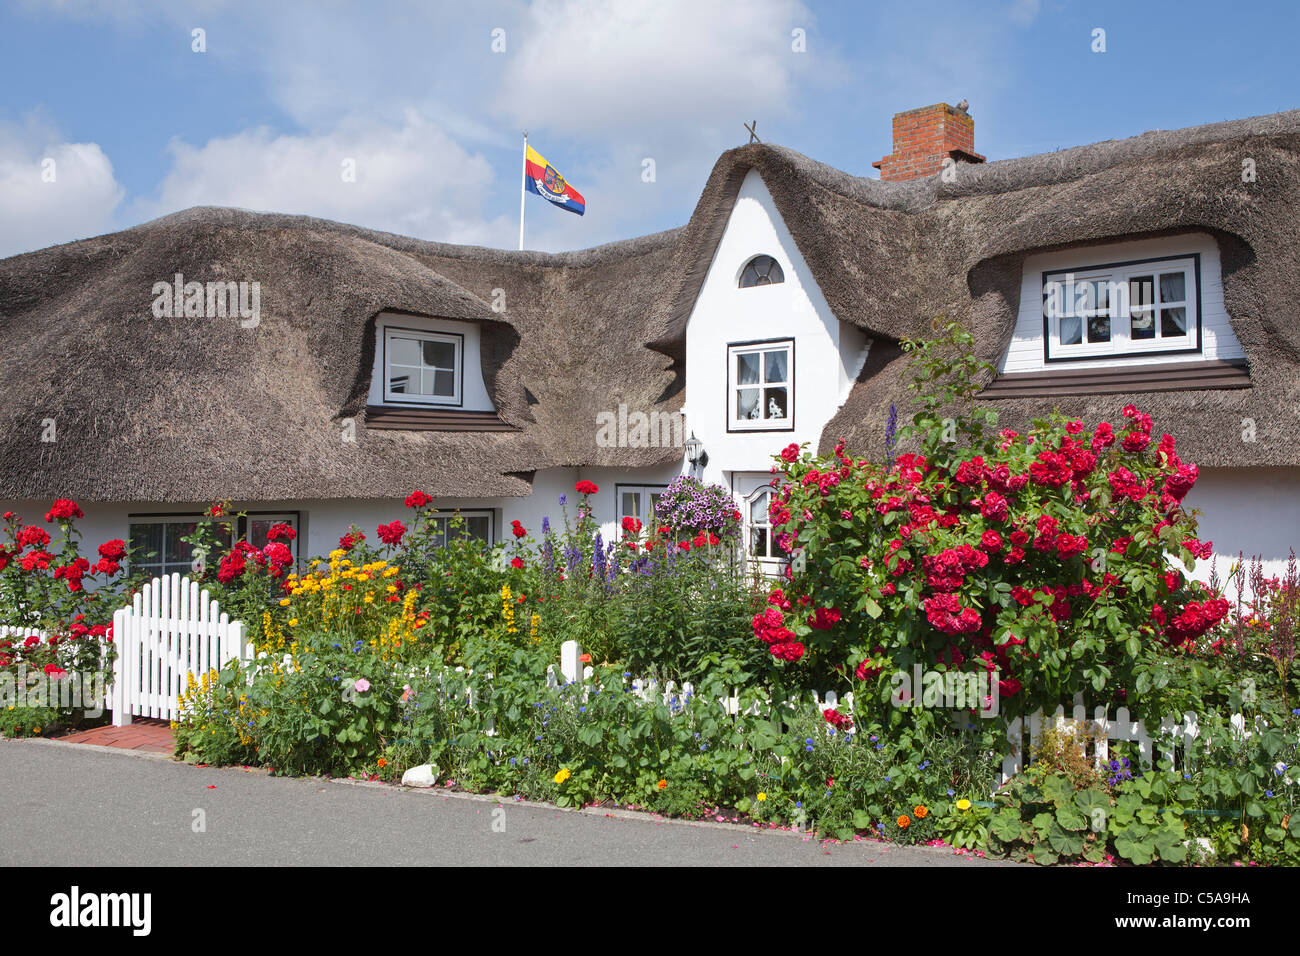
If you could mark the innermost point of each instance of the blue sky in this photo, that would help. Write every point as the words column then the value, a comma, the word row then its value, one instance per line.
column 140, row 125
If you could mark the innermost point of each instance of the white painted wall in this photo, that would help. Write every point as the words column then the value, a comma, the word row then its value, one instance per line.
column 1025, row 353
column 827, row 357
column 474, row 392
column 1255, row 511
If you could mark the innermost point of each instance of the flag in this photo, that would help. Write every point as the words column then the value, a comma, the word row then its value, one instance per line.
column 542, row 178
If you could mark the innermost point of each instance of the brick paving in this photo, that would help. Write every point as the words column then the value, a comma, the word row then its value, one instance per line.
column 144, row 734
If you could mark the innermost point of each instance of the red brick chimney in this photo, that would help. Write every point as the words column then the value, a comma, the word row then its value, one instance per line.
column 924, row 138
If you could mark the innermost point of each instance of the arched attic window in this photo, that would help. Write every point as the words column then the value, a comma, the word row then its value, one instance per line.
column 761, row 270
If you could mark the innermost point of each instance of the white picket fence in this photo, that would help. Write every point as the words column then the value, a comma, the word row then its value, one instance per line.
column 170, row 630
column 1170, row 741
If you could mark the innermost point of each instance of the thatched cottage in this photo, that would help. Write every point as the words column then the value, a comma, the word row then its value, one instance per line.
column 352, row 366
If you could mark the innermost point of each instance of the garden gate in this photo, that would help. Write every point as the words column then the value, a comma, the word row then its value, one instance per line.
column 171, row 629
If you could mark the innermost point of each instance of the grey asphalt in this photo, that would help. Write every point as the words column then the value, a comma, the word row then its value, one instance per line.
column 80, row 805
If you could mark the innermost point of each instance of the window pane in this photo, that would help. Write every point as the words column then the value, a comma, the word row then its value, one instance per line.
column 1173, row 287
column 1098, row 299
column 654, row 507
column 747, row 404
column 400, row 379
column 1143, row 325
column 631, row 505
column 403, row 351
column 747, row 368
column 175, row 550
column 759, row 507
column 777, row 366
column 438, row 529
column 444, row 384
column 479, row 527
column 758, row 542
column 1099, row 328
column 774, row 403
column 148, row 537
column 1071, row 331
column 1141, row 291
column 1173, row 322
column 439, row 355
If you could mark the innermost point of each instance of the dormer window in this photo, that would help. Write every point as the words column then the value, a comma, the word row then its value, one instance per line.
column 761, row 386
column 1122, row 309
column 761, row 270
column 423, row 367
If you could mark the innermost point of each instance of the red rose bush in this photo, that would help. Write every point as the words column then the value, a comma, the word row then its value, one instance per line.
column 1049, row 560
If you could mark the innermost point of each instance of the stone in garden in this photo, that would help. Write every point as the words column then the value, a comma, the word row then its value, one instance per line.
column 421, row 776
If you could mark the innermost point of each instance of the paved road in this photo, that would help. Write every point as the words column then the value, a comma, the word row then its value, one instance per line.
column 120, row 808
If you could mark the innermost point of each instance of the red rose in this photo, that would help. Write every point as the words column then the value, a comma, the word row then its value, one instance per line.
column 417, row 499
column 518, row 530
column 790, row 452
column 824, row 618
column 631, row 525
column 278, row 554
column 351, row 539
column 516, row 562
column 279, row 531
column 63, row 509
column 114, row 550
column 991, row 541
column 391, row 533
column 586, row 488
column 107, row 566
column 1135, row 442
column 33, row 536
column 790, row 651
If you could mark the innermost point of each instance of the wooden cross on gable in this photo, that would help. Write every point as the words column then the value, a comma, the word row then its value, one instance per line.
column 753, row 137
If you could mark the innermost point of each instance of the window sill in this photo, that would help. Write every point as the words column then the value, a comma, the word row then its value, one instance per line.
column 1171, row 377
column 426, row 418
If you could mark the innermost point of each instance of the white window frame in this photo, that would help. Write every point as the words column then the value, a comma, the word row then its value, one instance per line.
column 446, row 516
column 1065, row 295
column 735, row 424
column 455, row 339
column 162, row 566
column 644, row 494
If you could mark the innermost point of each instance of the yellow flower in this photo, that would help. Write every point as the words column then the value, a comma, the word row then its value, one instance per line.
column 284, row 602
column 293, row 622
column 761, row 796
column 563, row 775
column 963, row 805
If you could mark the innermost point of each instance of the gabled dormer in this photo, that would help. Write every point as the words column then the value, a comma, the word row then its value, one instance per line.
column 767, row 363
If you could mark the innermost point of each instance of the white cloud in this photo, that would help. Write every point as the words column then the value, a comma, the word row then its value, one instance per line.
column 52, row 191
column 410, row 178
column 584, row 65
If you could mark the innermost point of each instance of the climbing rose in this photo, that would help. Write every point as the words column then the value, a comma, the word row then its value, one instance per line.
column 417, row 499
column 352, row 538
column 32, row 535
column 518, row 530
column 586, row 488
column 790, row 452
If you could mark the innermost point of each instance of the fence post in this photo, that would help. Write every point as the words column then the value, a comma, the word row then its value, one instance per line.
column 121, row 638
column 570, row 665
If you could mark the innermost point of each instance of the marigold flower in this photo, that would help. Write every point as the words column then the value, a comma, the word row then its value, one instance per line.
column 920, row 811
column 662, row 784
column 382, row 762
column 563, row 775
column 904, row 822
column 761, row 796
column 963, row 805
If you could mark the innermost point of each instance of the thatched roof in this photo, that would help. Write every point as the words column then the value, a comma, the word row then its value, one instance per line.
column 195, row 409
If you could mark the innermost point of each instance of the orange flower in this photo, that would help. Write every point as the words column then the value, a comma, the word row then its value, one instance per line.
column 585, row 658
column 662, row 784
column 904, row 822
column 920, row 812
column 382, row 762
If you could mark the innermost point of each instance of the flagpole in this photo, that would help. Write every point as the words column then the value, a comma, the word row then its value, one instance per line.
column 521, row 193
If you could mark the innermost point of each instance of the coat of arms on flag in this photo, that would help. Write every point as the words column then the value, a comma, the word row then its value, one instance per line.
column 545, row 180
